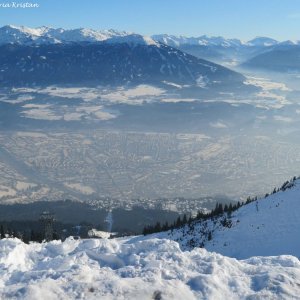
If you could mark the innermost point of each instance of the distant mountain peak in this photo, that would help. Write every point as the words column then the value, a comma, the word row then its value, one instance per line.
column 262, row 41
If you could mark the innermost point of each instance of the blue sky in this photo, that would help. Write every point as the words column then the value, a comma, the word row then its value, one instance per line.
column 243, row 19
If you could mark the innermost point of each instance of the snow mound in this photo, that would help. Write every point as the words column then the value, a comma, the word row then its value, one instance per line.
column 100, row 234
column 137, row 268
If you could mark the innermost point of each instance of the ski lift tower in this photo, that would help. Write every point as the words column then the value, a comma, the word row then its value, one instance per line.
column 47, row 219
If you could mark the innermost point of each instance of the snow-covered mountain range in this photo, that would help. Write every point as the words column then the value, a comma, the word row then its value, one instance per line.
column 204, row 40
column 45, row 35
column 176, row 41
column 44, row 56
column 226, row 52
column 231, row 52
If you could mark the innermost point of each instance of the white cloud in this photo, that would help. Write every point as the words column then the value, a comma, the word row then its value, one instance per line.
column 218, row 125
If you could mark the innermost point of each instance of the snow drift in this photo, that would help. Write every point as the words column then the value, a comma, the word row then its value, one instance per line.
column 137, row 268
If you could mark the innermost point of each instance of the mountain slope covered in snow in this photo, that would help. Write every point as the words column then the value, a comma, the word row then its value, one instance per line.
column 266, row 227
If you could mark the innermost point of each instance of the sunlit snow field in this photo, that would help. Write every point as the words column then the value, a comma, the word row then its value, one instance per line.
column 139, row 269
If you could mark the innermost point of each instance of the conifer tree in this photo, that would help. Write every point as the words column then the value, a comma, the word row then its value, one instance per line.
column 157, row 227
column 2, row 234
column 225, row 208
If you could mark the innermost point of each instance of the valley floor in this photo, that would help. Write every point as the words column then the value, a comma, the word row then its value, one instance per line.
column 139, row 268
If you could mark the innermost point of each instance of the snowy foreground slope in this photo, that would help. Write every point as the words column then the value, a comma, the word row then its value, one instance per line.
column 168, row 265
column 138, row 268
column 266, row 227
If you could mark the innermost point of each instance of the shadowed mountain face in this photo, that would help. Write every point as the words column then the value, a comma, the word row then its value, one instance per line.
column 106, row 63
column 46, row 56
column 280, row 59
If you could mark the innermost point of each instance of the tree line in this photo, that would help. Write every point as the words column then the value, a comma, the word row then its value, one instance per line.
column 26, row 235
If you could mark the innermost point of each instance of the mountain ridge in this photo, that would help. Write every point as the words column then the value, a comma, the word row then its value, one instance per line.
column 204, row 40
column 115, row 61
column 45, row 34
column 11, row 34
